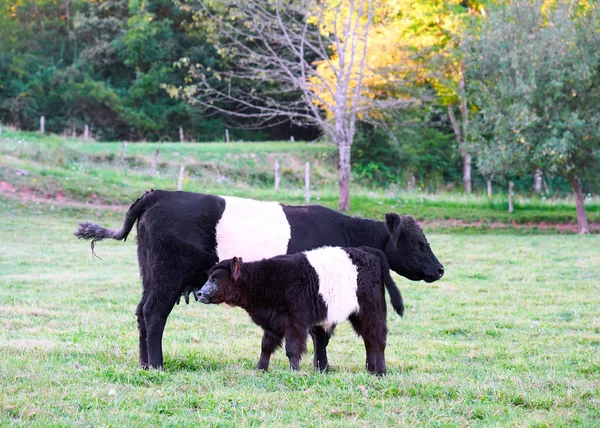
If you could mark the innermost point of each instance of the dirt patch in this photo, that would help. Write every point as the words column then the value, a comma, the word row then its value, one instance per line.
column 58, row 198
column 5, row 186
column 559, row 227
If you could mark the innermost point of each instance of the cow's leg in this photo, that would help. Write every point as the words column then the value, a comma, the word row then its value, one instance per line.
column 156, row 310
column 168, row 267
column 161, row 298
column 270, row 342
column 139, row 312
column 295, row 344
column 320, row 339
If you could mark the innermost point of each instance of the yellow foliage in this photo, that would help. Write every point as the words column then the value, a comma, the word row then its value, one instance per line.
column 402, row 42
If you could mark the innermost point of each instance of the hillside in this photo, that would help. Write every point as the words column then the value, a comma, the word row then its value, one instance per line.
column 74, row 174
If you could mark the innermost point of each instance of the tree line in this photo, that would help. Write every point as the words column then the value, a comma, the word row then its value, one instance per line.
column 438, row 93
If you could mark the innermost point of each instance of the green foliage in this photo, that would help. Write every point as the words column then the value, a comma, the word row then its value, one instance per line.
column 412, row 147
column 533, row 72
column 100, row 63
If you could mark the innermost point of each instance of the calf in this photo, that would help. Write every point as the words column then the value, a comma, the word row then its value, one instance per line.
column 287, row 295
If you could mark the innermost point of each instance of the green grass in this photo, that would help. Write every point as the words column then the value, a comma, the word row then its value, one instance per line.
column 509, row 337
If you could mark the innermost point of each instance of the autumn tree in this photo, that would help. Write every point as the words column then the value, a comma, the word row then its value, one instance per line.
column 414, row 46
column 303, row 61
column 533, row 72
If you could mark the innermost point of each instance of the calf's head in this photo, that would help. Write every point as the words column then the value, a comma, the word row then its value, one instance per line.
column 408, row 251
column 220, row 286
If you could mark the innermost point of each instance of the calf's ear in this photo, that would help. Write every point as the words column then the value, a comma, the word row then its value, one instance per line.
column 393, row 224
column 236, row 264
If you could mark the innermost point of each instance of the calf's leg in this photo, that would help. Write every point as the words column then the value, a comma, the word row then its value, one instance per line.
column 374, row 335
column 295, row 344
column 373, row 329
column 270, row 342
column 320, row 339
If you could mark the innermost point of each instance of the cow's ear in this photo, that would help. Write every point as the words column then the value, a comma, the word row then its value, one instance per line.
column 236, row 265
column 393, row 224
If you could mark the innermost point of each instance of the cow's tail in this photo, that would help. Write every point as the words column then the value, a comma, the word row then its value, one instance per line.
column 390, row 285
column 95, row 232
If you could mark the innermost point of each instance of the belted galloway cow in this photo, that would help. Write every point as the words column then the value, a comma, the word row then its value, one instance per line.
column 181, row 235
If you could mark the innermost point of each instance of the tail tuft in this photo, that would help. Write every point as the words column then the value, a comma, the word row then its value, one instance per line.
column 88, row 230
column 95, row 232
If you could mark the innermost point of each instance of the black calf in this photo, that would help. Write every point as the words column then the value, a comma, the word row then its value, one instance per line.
column 288, row 295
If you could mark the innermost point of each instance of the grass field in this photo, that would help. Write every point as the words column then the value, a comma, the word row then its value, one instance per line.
column 509, row 337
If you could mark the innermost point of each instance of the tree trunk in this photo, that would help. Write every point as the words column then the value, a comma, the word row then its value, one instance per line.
column 344, row 202
column 511, row 194
column 466, row 161
column 489, row 188
column 466, row 157
column 582, row 223
column 39, row 14
column 68, row 16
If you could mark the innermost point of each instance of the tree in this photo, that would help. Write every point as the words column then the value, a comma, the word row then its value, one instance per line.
column 303, row 61
column 533, row 72
column 416, row 46
column 437, row 33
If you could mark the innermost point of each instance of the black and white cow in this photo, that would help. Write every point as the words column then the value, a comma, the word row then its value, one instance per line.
column 181, row 235
column 289, row 294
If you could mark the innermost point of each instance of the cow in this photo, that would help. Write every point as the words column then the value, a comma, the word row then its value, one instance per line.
column 289, row 294
column 181, row 235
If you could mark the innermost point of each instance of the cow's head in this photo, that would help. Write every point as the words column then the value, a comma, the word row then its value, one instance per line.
column 408, row 252
column 220, row 286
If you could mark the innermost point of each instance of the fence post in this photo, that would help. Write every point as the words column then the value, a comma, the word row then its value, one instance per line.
column 277, row 177
column 226, row 135
column 510, row 196
column 181, row 139
column 86, row 132
column 42, row 125
column 292, row 138
column 123, row 149
column 307, row 182
column 489, row 188
column 153, row 165
column 181, row 172
column 74, row 131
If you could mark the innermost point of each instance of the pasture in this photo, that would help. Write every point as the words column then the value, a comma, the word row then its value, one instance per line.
column 510, row 336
